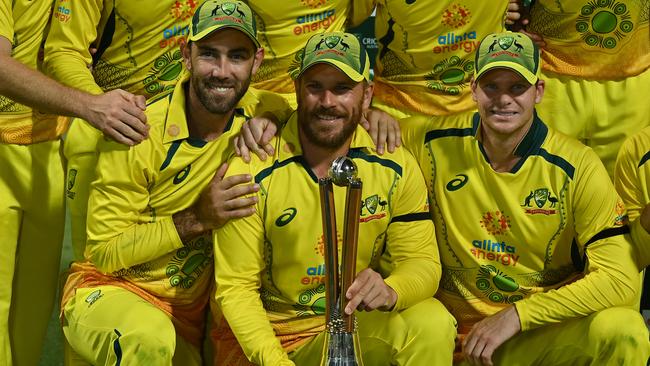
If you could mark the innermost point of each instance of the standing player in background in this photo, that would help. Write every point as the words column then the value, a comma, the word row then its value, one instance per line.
column 632, row 181
column 597, row 69
column 426, row 53
column 32, row 177
column 536, row 269
column 137, row 50
column 140, row 297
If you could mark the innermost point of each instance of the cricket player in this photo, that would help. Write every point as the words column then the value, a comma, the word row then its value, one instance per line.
column 140, row 297
column 631, row 178
column 31, row 174
column 597, row 69
column 269, row 273
column 536, row 268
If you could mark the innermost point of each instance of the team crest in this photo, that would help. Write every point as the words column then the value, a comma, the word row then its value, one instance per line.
column 72, row 176
column 505, row 42
column 371, row 203
column 332, row 41
column 228, row 8
column 540, row 196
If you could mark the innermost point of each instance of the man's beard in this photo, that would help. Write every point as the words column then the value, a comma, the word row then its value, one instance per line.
column 322, row 138
column 216, row 104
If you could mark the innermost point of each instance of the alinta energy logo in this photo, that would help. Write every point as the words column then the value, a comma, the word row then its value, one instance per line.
column 604, row 23
column 540, row 201
column 495, row 223
column 451, row 75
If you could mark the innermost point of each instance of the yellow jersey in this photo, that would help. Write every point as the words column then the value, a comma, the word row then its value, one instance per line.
column 602, row 40
column 132, row 239
column 270, row 266
column 632, row 180
column 426, row 52
column 522, row 237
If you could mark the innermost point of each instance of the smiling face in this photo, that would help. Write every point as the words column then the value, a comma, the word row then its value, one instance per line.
column 506, row 102
column 222, row 64
column 330, row 105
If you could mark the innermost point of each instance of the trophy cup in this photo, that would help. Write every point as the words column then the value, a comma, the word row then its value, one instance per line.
column 341, row 347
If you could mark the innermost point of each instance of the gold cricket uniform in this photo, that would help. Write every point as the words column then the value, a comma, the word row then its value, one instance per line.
column 270, row 266
column 284, row 27
column 133, row 246
column 524, row 237
column 137, row 46
column 426, row 53
column 31, row 197
column 597, row 70
column 631, row 178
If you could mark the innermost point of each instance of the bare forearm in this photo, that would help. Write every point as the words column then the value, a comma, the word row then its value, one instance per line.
column 188, row 225
column 32, row 88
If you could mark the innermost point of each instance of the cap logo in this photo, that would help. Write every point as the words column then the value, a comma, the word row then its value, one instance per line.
column 331, row 41
column 505, row 42
column 229, row 8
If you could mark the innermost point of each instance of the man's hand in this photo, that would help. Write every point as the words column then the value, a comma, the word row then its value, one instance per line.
column 518, row 17
column 369, row 292
column 488, row 334
column 222, row 200
column 119, row 115
column 645, row 218
column 383, row 129
column 255, row 136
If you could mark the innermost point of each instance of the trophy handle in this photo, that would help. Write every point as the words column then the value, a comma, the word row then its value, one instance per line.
column 328, row 214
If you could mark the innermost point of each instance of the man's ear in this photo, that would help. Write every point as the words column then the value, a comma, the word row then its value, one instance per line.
column 186, row 46
column 368, row 89
column 258, row 58
column 539, row 90
column 473, row 84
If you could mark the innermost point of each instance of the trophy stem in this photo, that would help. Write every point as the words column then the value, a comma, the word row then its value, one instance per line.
column 328, row 214
column 350, row 240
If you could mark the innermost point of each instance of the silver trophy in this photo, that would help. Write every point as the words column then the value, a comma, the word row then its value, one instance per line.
column 341, row 347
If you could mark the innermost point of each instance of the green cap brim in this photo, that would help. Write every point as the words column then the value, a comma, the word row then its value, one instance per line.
column 215, row 28
column 346, row 69
column 518, row 68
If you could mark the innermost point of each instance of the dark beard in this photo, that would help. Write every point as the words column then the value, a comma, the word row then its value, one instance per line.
column 218, row 105
column 328, row 142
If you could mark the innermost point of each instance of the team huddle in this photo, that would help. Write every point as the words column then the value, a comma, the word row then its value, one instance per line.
column 503, row 146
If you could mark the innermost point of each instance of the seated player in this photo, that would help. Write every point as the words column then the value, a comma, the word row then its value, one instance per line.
column 536, row 268
column 141, row 296
column 269, row 288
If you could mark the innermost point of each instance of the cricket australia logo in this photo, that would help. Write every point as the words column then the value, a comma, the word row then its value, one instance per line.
column 228, row 9
column 373, row 208
column 543, row 200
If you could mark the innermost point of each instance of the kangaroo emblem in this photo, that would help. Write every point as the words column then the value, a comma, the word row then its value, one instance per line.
column 319, row 44
column 530, row 197
column 214, row 12
column 491, row 49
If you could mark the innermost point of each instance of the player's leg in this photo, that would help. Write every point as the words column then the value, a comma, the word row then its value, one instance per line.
column 80, row 152
column 38, row 254
column 423, row 334
column 615, row 336
column 14, row 178
column 106, row 325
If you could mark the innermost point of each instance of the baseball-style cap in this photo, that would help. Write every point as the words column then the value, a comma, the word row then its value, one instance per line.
column 514, row 51
column 213, row 15
column 339, row 49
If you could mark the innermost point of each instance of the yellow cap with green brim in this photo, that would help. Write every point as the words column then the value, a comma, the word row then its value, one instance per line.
column 214, row 15
column 339, row 49
column 508, row 50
